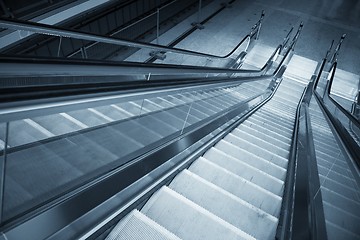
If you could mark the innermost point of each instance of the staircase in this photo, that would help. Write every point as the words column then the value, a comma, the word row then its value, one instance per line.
column 233, row 191
column 339, row 189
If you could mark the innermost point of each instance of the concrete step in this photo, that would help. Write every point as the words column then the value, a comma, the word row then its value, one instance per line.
column 188, row 220
column 137, row 226
column 239, row 213
column 237, row 186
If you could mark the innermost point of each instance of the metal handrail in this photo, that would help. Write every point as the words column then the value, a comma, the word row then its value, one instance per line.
column 284, row 226
column 62, row 32
column 27, row 66
column 18, row 67
column 286, row 39
column 324, row 99
column 61, row 67
column 355, row 104
column 308, row 214
column 109, row 68
column 339, row 106
column 337, row 49
column 320, row 69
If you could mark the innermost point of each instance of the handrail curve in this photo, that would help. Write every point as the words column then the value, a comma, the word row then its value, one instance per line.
column 76, row 34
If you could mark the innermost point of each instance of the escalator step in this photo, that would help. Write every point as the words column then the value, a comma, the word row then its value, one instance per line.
column 340, row 188
column 137, row 226
column 87, row 117
column 247, row 191
column 245, row 171
column 258, row 149
column 269, row 129
column 336, row 177
column 237, row 212
column 137, row 132
column 265, row 134
column 252, row 159
column 340, row 201
column 335, row 232
column 341, row 218
column 50, row 170
column 57, row 124
column 188, row 220
column 239, row 136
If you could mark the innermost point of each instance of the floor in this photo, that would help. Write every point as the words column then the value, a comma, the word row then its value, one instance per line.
column 324, row 21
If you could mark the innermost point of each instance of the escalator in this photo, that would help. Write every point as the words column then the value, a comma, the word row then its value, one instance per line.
column 338, row 185
column 205, row 154
column 81, row 136
column 240, row 193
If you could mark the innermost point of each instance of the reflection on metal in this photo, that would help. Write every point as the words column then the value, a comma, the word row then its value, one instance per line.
column 186, row 118
column 83, row 53
column 157, row 25
column 141, row 107
column 337, row 49
column 286, row 40
column 59, row 47
column 198, row 24
column 3, row 158
column 308, row 215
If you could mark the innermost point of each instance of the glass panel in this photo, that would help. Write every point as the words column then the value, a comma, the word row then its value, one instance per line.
column 135, row 21
column 54, row 154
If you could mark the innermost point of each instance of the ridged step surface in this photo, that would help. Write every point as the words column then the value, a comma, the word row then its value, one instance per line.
column 137, row 226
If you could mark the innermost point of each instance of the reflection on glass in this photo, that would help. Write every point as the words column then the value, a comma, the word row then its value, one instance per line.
column 54, row 154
